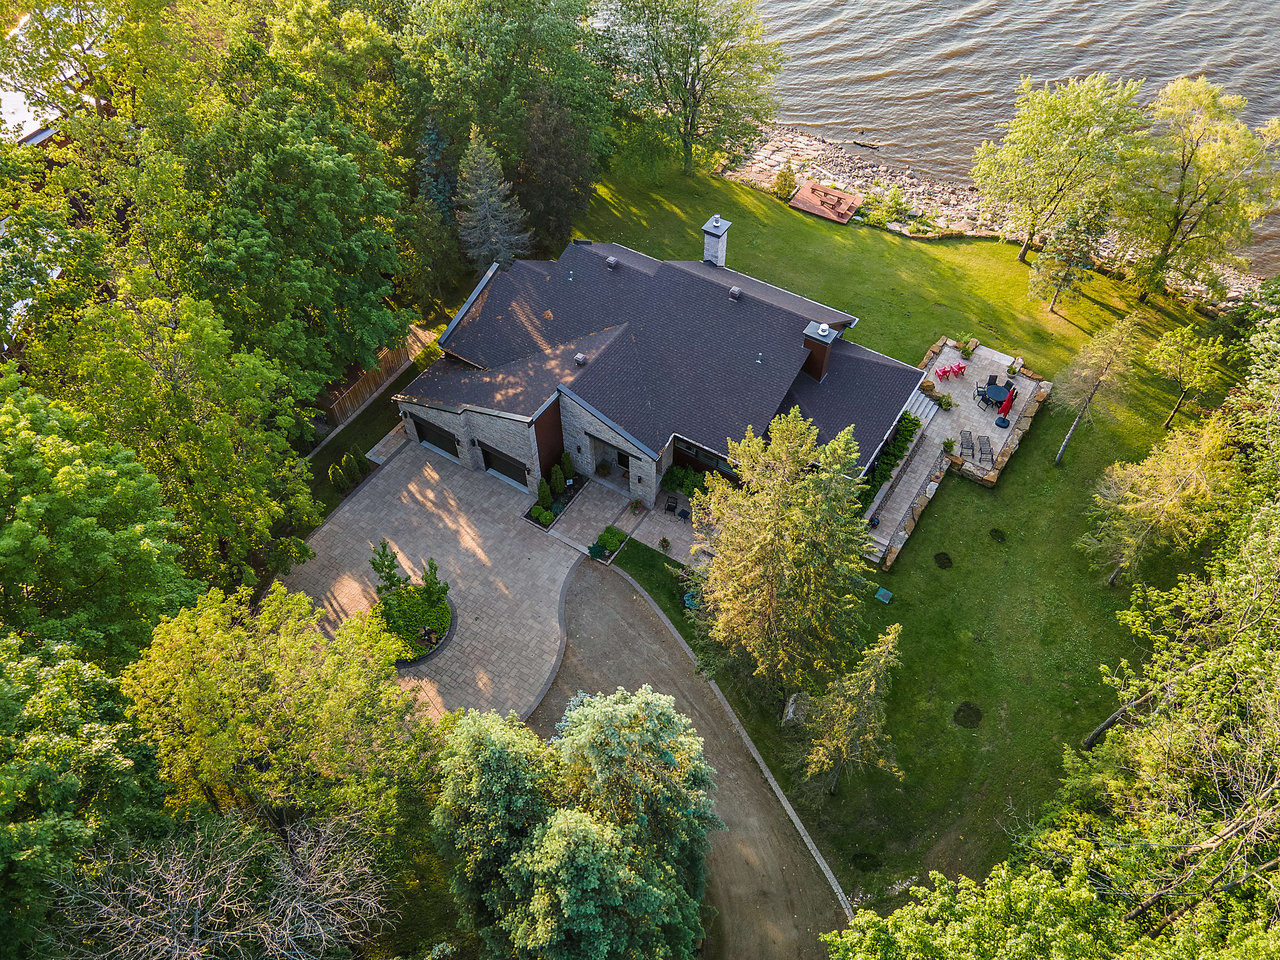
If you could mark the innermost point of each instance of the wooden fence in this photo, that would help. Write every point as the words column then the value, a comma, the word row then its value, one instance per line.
column 340, row 407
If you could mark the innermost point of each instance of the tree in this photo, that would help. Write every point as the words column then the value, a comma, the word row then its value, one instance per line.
column 1060, row 148
column 590, row 846
column 1172, row 499
column 848, row 721
column 489, row 66
column 70, row 764
column 556, row 172
column 1195, row 184
column 1186, row 359
column 252, row 709
column 1069, row 255
column 490, row 222
column 1014, row 915
column 1179, row 808
column 159, row 372
column 699, row 70
column 786, row 574
column 497, row 784
column 221, row 888
column 631, row 759
column 784, row 185
column 87, row 554
column 1098, row 375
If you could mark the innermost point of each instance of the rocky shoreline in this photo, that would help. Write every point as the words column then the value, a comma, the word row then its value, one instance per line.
column 951, row 206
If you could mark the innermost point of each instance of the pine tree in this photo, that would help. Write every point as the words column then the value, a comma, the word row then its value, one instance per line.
column 1064, row 265
column 491, row 224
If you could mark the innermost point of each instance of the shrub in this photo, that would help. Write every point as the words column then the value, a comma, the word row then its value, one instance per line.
column 544, row 495
column 363, row 463
column 784, row 185
column 611, row 538
column 338, row 479
column 684, row 480
column 546, row 518
column 557, row 480
column 557, row 509
column 964, row 345
column 409, row 610
column 351, row 468
column 949, row 444
column 566, row 466
column 890, row 456
column 945, row 401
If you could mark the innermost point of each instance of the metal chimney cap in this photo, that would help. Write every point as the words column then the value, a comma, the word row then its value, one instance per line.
column 717, row 226
column 824, row 329
column 580, row 359
column 611, row 262
column 735, row 292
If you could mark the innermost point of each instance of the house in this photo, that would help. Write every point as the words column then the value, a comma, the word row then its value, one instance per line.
column 632, row 364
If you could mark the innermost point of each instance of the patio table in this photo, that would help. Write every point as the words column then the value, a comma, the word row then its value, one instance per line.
column 996, row 394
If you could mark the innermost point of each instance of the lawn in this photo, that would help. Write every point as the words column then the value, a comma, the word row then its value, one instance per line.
column 1018, row 624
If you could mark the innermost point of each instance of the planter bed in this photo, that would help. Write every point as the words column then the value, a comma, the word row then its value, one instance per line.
column 558, row 504
column 440, row 644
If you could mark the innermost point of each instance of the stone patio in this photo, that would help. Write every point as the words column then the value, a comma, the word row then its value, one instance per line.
column 592, row 510
column 505, row 576
column 902, row 500
column 658, row 523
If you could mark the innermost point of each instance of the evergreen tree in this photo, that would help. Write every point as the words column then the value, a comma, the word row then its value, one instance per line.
column 1069, row 255
column 848, row 720
column 556, row 171
column 490, row 222
column 1098, row 374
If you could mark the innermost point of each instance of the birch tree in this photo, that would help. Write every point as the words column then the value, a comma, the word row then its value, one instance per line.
column 700, row 70
column 1061, row 146
column 1195, row 184
column 1188, row 360
column 1098, row 376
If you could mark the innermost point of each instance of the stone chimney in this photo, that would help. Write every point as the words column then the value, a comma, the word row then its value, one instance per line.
column 818, row 337
column 715, row 239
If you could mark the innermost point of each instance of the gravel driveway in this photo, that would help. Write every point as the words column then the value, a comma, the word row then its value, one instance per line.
column 772, row 900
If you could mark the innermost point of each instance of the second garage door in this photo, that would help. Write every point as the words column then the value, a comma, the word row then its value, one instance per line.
column 504, row 465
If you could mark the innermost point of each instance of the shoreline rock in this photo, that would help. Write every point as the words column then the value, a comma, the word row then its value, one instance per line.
column 952, row 205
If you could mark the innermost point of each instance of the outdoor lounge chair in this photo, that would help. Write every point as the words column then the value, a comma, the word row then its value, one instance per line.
column 984, row 451
column 966, row 444
column 671, row 504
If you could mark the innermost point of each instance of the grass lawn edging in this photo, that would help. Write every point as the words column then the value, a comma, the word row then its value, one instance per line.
column 746, row 739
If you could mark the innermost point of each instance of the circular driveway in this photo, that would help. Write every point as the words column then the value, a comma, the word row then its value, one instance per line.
column 506, row 576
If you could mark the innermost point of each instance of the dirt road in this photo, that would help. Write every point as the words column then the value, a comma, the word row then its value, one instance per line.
column 771, row 899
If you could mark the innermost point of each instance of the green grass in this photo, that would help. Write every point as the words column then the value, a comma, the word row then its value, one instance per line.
column 1018, row 628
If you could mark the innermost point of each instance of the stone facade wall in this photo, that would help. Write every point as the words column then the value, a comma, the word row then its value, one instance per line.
column 580, row 425
column 509, row 436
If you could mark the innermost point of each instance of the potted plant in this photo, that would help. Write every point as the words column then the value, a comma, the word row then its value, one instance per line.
column 665, row 544
column 949, row 444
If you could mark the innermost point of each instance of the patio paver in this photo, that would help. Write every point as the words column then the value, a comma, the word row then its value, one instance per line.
column 505, row 576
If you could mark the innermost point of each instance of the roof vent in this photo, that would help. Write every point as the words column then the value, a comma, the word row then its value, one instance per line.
column 570, row 276
column 611, row 262
column 824, row 329
column 735, row 292
column 759, row 358
column 580, row 359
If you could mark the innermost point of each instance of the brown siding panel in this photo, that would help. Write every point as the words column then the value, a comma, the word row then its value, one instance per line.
column 549, row 433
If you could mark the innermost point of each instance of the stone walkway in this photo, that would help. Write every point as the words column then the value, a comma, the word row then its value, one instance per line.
column 505, row 576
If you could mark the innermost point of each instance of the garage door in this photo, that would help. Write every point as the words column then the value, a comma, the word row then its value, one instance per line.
column 437, row 437
column 509, row 467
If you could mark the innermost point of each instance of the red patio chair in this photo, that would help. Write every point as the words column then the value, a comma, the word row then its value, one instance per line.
column 943, row 373
column 958, row 369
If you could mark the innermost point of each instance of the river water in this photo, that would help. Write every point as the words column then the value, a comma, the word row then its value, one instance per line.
column 929, row 80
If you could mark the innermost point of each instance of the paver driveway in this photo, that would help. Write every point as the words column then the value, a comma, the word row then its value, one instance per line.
column 505, row 576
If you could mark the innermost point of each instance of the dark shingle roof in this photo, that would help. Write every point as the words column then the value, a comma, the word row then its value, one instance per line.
column 863, row 388
column 672, row 352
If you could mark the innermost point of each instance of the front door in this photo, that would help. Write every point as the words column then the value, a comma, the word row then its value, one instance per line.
column 500, row 463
